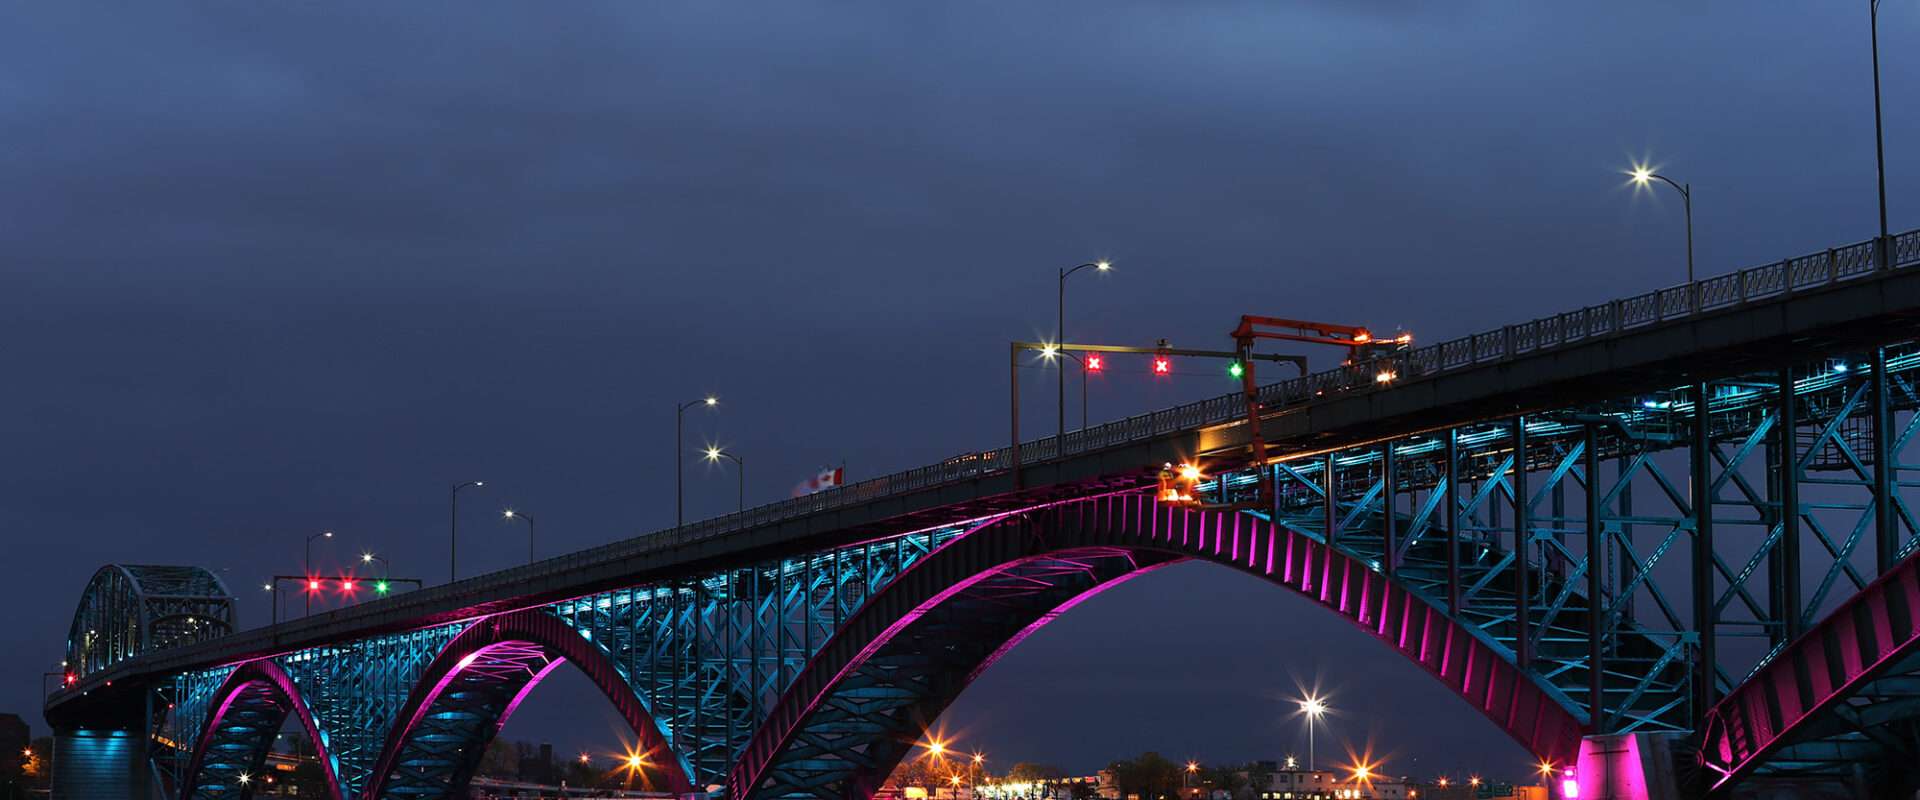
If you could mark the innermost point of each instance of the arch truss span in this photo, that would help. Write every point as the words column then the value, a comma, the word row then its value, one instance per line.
column 129, row 609
column 473, row 686
column 229, row 758
column 868, row 696
column 1838, row 704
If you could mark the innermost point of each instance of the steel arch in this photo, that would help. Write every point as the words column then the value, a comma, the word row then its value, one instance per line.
column 1842, row 695
column 252, row 704
column 129, row 609
column 782, row 762
column 472, row 687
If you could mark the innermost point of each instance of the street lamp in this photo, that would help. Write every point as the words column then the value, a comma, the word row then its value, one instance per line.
column 1641, row 176
column 679, row 467
column 1313, row 707
column 512, row 514
column 308, row 564
column 1060, row 322
column 1881, row 245
column 386, row 569
column 453, row 527
column 714, row 454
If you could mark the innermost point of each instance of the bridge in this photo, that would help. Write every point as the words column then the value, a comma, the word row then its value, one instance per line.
column 1662, row 541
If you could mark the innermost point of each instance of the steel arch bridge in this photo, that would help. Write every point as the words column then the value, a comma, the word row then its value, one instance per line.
column 1713, row 543
column 128, row 610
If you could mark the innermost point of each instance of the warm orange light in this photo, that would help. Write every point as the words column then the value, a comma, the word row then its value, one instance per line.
column 635, row 761
column 1362, row 337
column 583, row 758
column 955, row 779
column 1193, row 766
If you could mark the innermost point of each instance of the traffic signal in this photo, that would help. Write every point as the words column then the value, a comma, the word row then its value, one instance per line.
column 1162, row 365
column 346, row 585
column 1093, row 362
column 380, row 587
column 1235, row 369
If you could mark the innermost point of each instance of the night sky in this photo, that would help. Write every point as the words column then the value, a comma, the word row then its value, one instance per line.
column 278, row 269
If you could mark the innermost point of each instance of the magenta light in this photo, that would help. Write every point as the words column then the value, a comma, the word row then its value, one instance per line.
column 1570, row 788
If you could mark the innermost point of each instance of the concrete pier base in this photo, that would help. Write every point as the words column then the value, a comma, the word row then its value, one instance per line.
column 1626, row 766
column 97, row 764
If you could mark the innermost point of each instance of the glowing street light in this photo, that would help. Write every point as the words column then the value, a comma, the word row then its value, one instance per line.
column 1314, row 708
column 1644, row 177
column 386, row 569
column 679, row 459
column 512, row 514
column 714, row 454
column 1060, row 323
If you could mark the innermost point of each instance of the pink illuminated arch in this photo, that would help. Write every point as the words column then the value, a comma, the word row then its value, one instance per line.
column 535, row 628
column 1453, row 653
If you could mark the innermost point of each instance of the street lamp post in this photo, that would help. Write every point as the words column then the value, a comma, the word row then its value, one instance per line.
column 386, row 570
column 453, row 528
column 1060, row 330
column 308, row 565
column 679, row 465
column 1881, row 245
column 512, row 514
column 1642, row 176
column 1313, row 707
column 714, row 454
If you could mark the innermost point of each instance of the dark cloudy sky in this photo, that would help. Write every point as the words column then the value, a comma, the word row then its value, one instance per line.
column 277, row 269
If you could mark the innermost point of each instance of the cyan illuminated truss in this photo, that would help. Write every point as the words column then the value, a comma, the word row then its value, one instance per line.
column 1608, row 568
column 711, row 655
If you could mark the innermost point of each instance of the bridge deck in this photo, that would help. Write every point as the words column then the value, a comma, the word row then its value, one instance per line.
column 1825, row 303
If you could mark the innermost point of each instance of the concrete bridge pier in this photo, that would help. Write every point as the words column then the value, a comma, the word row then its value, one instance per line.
column 1626, row 766
column 101, row 764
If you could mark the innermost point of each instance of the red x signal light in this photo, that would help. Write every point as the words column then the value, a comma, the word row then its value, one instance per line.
column 1094, row 362
column 1162, row 365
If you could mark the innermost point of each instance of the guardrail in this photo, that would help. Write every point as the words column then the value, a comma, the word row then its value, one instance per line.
column 1673, row 304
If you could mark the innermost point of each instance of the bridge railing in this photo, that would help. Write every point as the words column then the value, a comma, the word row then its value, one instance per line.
column 1663, row 306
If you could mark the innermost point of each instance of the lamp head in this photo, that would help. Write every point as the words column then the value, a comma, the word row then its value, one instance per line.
column 713, row 454
column 328, row 534
column 713, row 401
column 1103, row 265
column 1642, row 175
column 509, row 512
column 366, row 558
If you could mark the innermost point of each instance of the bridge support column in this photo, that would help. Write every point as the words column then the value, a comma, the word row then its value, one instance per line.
column 101, row 764
column 1627, row 766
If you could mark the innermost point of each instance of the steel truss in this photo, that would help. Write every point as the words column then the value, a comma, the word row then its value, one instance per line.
column 869, row 696
column 127, row 610
column 1554, row 569
column 1801, row 470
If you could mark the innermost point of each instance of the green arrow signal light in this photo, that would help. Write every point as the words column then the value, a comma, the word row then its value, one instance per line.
column 1235, row 369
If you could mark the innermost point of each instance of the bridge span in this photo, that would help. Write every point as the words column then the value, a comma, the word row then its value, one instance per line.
column 1671, row 526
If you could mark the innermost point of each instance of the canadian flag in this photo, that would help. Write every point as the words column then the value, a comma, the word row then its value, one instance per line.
column 828, row 478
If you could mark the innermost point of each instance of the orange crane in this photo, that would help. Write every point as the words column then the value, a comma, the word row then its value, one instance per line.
column 1360, row 344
